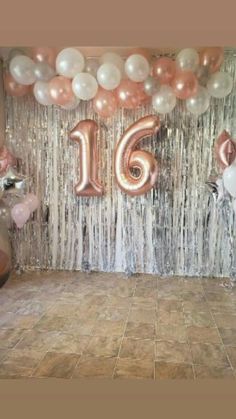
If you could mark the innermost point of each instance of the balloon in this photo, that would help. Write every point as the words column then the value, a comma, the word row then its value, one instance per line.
column 137, row 67
column 42, row 93
column 229, row 178
column 127, row 157
column 142, row 96
column 5, row 214
column 187, row 59
column 31, row 201
column 69, row 62
column 44, row 72
column 13, row 88
column 85, row 134
column 113, row 58
column 164, row 100
column 72, row 105
column 84, row 86
column 108, row 76
column 151, row 86
column 184, row 84
column 92, row 65
column 61, row 90
column 212, row 58
column 128, row 94
column 225, row 150
column 199, row 103
column 20, row 214
column 220, row 84
column 22, row 69
column 44, row 55
column 6, row 159
column 5, row 254
column 234, row 205
column 146, row 53
column 164, row 70
column 105, row 103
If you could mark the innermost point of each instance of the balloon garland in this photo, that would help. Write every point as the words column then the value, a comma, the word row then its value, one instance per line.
column 67, row 77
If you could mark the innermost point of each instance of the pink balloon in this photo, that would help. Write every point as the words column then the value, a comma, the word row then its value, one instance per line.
column 6, row 159
column 212, row 58
column 60, row 90
column 44, row 54
column 128, row 94
column 105, row 103
column 142, row 95
column 20, row 214
column 164, row 69
column 13, row 88
column 31, row 201
column 185, row 84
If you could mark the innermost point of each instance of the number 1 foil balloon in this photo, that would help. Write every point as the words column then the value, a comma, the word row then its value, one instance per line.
column 128, row 158
column 225, row 150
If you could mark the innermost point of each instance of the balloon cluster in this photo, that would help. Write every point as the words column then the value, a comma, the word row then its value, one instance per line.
column 66, row 78
column 14, row 184
column 225, row 154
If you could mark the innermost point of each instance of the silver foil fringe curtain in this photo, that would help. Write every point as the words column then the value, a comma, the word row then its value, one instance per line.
column 176, row 229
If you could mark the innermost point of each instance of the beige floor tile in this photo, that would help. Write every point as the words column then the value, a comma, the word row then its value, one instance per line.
column 142, row 315
column 203, row 335
column 173, row 352
column 134, row 369
column 103, row 346
column 38, row 340
column 170, row 317
column 137, row 348
column 114, row 314
column 225, row 320
column 144, row 302
column 95, row 367
column 71, row 343
column 203, row 371
column 169, row 305
column 172, row 332
column 57, row 365
column 116, row 301
column 10, row 337
column 109, row 328
column 145, row 293
column 228, row 336
column 200, row 319
column 193, row 306
column 231, row 352
column 209, row 354
column 170, row 370
column 19, row 362
column 140, row 330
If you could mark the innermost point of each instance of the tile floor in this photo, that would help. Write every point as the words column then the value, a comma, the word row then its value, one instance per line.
column 72, row 325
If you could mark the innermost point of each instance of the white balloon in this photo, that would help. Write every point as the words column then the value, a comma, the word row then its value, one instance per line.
column 112, row 57
column 220, row 84
column 151, row 86
column 44, row 72
column 188, row 59
column 108, row 76
column 42, row 94
column 22, row 69
column 84, row 86
column 92, row 65
column 164, row 100
column 199, row 103
column 234, row 205
column 137, row 67
column 229, row 178
column 71, row 105
column 69, row 62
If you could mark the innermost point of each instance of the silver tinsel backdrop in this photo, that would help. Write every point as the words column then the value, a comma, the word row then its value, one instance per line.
column 176, row 229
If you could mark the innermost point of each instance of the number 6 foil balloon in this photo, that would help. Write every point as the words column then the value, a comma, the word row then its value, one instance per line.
column 225, row 150
column 128, row 158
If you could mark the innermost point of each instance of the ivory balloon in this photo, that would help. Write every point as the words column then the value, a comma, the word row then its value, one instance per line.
column 151, row 86
column 199, row 103
column 187, row 59
column 164, row 100
column 108, row 76
column 42, row 93
column 22, row 69
column 13, row 88
column 44, row 72
column 229, row 178
column 69, row 62
column 91, row 66
column 127, row 157
column 113, row 58
column 220, row 84
column 137, row 67
column 84, row 86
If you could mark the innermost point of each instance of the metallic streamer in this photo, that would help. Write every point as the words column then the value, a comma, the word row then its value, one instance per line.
column 176, row 229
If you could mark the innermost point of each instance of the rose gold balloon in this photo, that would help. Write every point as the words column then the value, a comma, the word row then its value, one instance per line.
column 185, row 84
column 128, row 158
column 13, row 88
column 6, row 160
column 212, row 58
column 164, row 69
column 128, row 94
column 144, row 99
column 60, row 90
column 44, row 54
column 105, row 103
column 225, row 150
column 85, row 134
